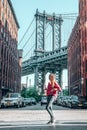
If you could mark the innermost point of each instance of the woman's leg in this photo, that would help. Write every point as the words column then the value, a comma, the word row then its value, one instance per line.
column 50, row 101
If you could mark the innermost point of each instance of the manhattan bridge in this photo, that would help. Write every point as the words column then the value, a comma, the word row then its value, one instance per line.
column 48, row 53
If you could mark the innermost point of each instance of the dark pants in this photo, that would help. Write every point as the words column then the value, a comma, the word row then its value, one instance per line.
column 50, row 100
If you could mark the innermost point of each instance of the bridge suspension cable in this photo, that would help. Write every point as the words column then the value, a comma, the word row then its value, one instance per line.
column 69, row 17
column 28, row 39
column 68, row 14
column 29, row 51
column 68, row 24
column 26, row 32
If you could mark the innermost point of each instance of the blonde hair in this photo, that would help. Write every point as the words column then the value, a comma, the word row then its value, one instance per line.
column 52, row 79
column 52, row 75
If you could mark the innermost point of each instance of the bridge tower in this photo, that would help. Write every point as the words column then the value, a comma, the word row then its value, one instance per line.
column 42, row 19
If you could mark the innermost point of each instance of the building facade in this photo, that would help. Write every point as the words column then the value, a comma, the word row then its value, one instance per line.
column 74, row 60
column 10, row 65
column 77, row 53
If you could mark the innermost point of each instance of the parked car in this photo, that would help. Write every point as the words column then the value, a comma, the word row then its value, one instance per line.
column 55, row 101
column 23, row 102
column 60, row 100
column 65, row 100
column 33, row 100
column 28, row 101
column 85, row 104
column 83, row 101
column 74, row 102
column 12, row 99
column 43, row 100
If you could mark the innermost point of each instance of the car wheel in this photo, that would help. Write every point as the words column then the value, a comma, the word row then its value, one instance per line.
column 2, row 106
column 18, row 105
column 70, row 105
column 24, row 105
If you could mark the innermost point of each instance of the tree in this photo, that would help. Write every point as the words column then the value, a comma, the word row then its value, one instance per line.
column 65, row 92
column 24, row 92
column 31, row 92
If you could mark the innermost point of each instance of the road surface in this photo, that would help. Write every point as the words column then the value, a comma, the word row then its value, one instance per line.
column 38, row 115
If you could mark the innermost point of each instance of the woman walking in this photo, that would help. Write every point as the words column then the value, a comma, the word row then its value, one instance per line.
column 52, row 89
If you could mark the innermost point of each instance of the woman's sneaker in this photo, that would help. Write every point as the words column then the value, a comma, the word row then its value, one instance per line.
column 53, row 122
column 49, row 122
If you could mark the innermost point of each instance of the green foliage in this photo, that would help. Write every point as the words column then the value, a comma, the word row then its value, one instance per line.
column 31, row 92
column 23, row 92
column 65, row 92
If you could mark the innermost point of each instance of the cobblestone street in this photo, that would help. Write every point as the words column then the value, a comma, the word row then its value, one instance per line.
column 27, row 116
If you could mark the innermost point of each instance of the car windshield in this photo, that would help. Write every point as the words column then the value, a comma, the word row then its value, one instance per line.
column 74, row 97
column 12, row 95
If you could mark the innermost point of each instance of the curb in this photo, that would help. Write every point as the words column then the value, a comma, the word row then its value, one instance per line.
column 47, row 127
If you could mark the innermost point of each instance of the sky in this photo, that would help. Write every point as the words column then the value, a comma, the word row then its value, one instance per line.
column 25, row 11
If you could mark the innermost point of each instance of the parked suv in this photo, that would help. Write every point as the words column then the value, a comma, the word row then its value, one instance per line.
column 75, row 102
column 65, row 101
column 12, row 99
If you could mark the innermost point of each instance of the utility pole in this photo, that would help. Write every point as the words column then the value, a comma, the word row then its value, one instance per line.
column 26, row 85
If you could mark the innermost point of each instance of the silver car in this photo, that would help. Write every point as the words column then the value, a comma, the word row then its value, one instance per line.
column 43, row 100
column 12, row 99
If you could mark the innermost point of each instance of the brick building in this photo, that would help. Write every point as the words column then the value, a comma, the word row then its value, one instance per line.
column 10, row 57
column 77, row 53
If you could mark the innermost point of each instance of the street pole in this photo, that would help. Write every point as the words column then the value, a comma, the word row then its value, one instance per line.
column 26, row 85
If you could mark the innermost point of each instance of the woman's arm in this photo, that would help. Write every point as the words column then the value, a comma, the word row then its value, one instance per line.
column 58, row 87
